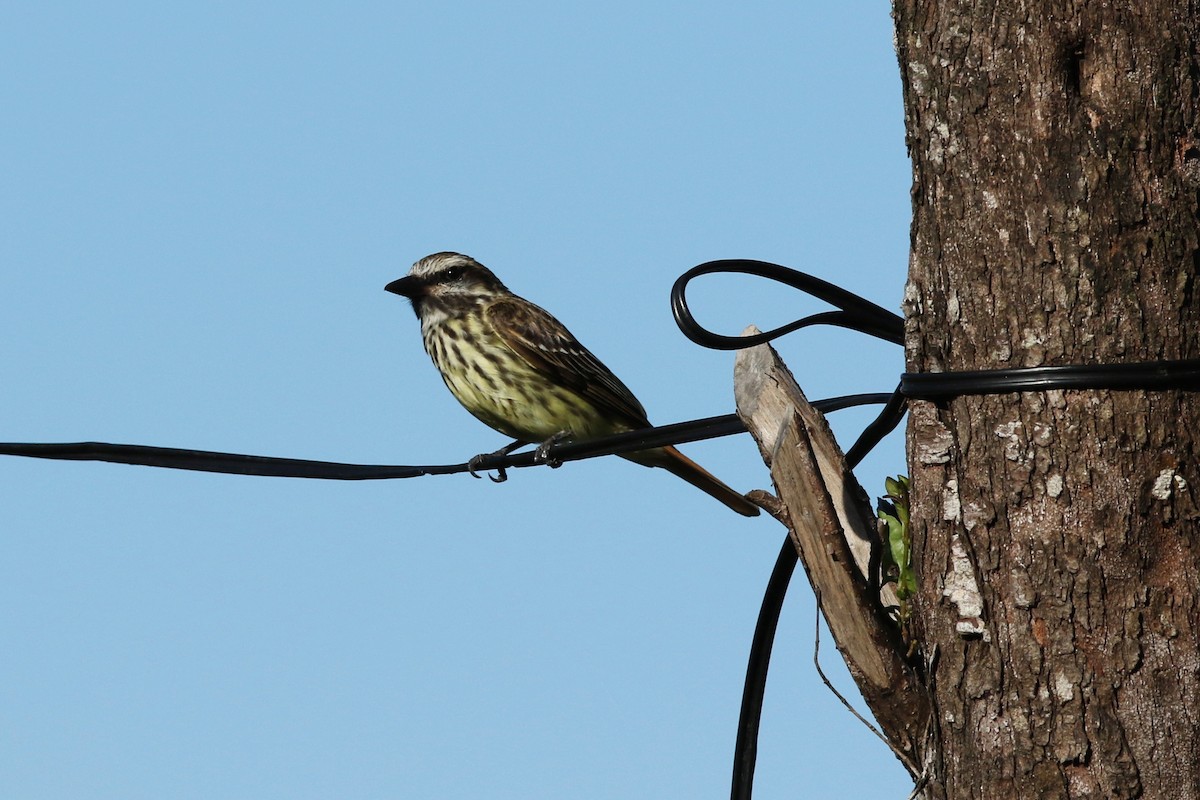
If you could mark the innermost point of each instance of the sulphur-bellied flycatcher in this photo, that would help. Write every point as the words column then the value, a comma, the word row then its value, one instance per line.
column 520, row 371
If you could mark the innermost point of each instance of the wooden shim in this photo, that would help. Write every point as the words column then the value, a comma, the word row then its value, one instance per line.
column 832, row 527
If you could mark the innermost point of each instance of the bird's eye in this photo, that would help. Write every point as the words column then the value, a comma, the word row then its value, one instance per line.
column 454, row 273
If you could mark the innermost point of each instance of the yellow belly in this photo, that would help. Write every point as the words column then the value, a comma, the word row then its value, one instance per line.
column 504, row 392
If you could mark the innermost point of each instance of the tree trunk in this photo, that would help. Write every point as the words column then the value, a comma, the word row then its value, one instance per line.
column 1056, row 168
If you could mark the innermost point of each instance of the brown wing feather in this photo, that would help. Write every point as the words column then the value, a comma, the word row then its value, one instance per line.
column 547, row 346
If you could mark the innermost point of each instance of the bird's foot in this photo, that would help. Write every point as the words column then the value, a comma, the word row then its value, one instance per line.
column 542, row 454
column 476, row 462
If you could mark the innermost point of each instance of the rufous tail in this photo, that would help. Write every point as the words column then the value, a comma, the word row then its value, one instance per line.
column 678, row 464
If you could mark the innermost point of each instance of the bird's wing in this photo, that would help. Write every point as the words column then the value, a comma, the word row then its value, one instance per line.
column 547, row 346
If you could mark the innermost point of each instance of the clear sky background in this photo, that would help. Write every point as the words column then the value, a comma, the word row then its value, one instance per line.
column 201, row 204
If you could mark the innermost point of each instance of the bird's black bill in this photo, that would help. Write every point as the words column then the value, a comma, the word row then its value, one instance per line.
column 405, row 287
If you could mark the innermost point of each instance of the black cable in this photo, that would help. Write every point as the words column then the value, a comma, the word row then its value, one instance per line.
column 893, row 411
column 1150, row 376
column 238, row 464
column 855, row 312
column 745, row 751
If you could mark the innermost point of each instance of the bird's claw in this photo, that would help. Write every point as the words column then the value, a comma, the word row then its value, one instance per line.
column 475, row 464
column 542, row 454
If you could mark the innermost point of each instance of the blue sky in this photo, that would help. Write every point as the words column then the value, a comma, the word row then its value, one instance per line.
column 201, row 204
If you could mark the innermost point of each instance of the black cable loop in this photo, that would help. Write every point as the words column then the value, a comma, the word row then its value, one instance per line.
column 855, row 312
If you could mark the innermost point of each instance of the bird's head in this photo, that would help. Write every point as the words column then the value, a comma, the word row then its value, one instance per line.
column 448, row 282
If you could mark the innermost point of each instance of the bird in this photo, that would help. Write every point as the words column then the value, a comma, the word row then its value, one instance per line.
column 521, row 372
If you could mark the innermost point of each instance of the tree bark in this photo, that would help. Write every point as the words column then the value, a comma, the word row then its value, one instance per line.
column 1056, row 169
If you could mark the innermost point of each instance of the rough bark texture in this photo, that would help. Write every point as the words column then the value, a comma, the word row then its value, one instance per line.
column 1056, row 167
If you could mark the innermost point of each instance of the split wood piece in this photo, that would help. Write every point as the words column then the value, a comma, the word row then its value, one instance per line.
column 833, row 529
